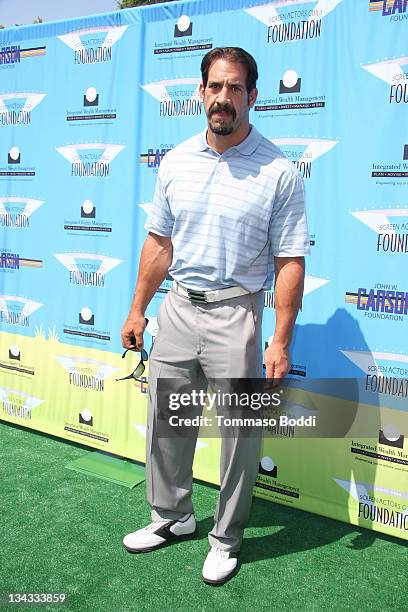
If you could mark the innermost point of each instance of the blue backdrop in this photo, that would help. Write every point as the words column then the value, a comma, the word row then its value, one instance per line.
column 89, row 107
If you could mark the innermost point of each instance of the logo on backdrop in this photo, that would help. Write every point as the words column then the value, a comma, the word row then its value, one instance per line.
column 396, row 10
column 176, row 97
column 16, row 108
column 87, row 269
column 16, row 310
column 395, row 73
column 14, row 352
column 15, row 212
column 289, row 98
column 18, row 404
column 12, row 55
column 153, row 157
column 182, row 41
column 86, row 328
column 383, row 301
column 87, row 221
column 90, row 160
column 183, row 27
column 83, row 426
column 298, row 369
column 267, row 467
column 15, row 167
column 378, row 503
column 287, row 22
column 390, row 226
column 88, row 210
column 290, row 82
column 267, row 475
column 390, row 435
column 386, row 373
column 388, row 171
column 85, row 372
column 12, row 262
column 15, row 363
column 90, row 110
column 304, row 151
column 93, row 45
column 85, row 417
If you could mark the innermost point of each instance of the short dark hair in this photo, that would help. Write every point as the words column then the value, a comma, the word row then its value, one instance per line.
column 233, row 54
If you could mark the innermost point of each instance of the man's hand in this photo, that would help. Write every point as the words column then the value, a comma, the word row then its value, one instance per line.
column 132, row 332
column 277, row 362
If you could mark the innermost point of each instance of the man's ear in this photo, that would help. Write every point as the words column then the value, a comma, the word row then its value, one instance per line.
column 201, row 92
column 252, row 96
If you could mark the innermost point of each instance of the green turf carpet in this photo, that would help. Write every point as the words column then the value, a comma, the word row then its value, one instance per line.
column 62, row 532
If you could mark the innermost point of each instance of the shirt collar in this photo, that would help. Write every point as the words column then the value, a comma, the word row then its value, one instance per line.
column 246, row 147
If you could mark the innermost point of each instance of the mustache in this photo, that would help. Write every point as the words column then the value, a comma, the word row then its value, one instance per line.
column 223, row 108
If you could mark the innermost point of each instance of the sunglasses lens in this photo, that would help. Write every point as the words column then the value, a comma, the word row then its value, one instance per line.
column 139, row 370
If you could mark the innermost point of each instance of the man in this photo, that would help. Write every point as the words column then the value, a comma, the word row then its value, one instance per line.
column 228, row 213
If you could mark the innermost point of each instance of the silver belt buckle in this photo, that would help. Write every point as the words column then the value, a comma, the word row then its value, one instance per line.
column 198, row 297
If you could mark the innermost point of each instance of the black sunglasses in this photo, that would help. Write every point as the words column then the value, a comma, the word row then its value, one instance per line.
column 139, row 369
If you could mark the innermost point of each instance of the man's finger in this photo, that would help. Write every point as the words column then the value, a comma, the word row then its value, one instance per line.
column 270, row 368
column 139, row 341
column 128, row 340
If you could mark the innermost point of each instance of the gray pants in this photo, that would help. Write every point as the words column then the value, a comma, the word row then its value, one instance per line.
column 200, row 343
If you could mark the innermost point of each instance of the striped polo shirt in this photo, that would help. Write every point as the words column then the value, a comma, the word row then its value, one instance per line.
column 229, row 214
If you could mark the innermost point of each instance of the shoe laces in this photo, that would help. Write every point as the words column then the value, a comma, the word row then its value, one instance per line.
column 155, row 525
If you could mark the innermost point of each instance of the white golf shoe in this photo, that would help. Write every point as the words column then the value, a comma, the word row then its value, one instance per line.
column 160, row 533
column 219, row 566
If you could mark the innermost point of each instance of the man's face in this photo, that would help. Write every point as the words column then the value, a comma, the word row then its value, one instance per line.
column 226, row 100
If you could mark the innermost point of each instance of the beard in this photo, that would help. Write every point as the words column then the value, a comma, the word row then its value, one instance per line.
column 221, row 129
column 223, row 126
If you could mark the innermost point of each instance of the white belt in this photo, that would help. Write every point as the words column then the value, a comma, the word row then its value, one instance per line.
column 201, row 297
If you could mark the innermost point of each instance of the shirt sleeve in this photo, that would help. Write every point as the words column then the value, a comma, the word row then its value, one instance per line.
column 160, row 220
column 288, row 231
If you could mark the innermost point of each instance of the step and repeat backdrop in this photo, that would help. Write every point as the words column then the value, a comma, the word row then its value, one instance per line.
column 88, row 109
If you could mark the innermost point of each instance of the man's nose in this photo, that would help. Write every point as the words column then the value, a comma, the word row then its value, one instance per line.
column 223, row 95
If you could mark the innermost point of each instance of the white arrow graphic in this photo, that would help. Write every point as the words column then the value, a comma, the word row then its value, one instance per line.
column 367, row 359
column 30, row 207
column 374, row 219
column 158, row 89
column 69, row 261
column 74, row 41
column 108, row 151
column 313, row 282
column 31, row 101
column 268, row 15
column 30, row 403
column 388, row 70
column 29, row 306
column 102, row 370
column 315, row 147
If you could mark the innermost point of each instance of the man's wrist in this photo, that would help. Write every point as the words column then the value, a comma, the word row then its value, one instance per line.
column 136, row 314
column 281, row 344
